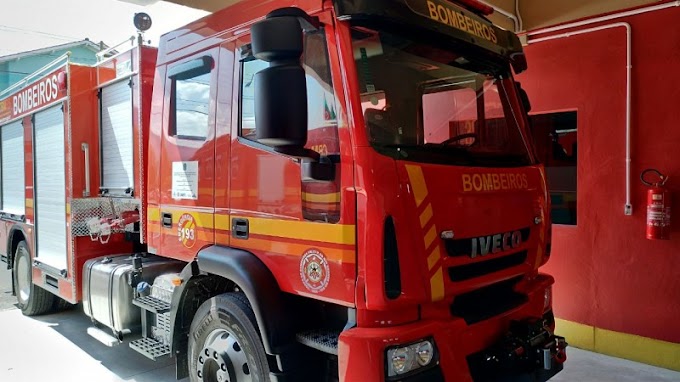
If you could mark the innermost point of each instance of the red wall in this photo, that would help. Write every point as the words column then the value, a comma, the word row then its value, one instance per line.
column 608, row 275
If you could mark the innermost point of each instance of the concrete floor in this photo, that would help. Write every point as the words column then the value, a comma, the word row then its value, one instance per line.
column 56, row 348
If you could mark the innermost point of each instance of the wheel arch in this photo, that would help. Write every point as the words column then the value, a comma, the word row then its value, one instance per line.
column 15, row 236
column 220, row 270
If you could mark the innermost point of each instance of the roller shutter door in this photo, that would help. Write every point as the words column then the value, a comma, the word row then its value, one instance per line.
column 116, row 137
column 50, row 187
column 13, row 182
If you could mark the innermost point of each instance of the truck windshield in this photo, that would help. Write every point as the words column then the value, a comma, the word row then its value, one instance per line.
column 424, row 103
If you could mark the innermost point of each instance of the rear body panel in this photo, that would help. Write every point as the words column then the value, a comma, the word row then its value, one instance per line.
column 74, row 110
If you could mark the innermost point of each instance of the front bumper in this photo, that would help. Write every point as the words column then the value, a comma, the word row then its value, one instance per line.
column 361, row 352
column 528, row 353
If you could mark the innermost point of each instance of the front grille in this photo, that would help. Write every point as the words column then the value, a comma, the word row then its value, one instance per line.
column 463, row 247
column 470, row 271
column 487, row 302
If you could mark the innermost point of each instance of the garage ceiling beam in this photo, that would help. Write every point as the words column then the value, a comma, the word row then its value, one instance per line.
column 535, row 13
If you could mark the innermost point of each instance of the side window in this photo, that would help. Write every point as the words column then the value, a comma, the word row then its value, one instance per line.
column 250, row 68
column 555, row 135
column 190, row 102
column 322, row 117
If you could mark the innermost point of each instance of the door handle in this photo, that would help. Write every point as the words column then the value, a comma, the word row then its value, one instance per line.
column 239, row 228
column 86, row 153
column 167, row 220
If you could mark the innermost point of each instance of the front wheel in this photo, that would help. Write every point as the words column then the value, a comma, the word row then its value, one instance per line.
column 225, row 344
column 31, row 299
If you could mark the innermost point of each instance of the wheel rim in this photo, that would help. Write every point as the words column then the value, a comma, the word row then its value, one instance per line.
column 23, row 277
column 222, row 359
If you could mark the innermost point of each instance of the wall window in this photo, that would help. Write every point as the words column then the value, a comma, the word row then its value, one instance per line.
column 556, row 144
column 191, row 99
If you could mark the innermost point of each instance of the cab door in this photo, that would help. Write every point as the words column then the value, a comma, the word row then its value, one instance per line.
column 296, row 227
column 187, row 179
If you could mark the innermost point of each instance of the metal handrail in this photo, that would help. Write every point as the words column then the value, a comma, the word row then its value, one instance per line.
column 23, row 82
column 102, row 55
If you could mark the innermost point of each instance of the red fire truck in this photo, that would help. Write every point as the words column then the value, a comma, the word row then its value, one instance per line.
column 292, row 191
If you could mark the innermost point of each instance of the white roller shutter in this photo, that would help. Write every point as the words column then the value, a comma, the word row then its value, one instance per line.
column 13, row 182
column 50, row 187
column 116, row 136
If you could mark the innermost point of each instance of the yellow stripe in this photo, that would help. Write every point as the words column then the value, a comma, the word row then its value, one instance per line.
column 623, row 345
column 29, row 203
column 321, row 198
column 430, row 236
column 203, row 219
column 323, row 232
column 68, row 208
column 426, row 215
column 437, row 285
column 153, row 213
column 223, row 222
column 415, row 175
column 539, row 255
column 433, row 258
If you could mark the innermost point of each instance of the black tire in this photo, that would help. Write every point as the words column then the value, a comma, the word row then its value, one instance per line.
column 226, row 317
column 31, row 299
column 61, row 305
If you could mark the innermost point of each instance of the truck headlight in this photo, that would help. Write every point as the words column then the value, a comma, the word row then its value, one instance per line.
column 404, row 359
column 424, row 353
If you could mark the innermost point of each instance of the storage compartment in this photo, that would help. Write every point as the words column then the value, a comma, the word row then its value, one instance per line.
column 50, row 188
column 108, row 289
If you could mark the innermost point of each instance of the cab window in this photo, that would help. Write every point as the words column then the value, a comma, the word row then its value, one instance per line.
column 190, row 99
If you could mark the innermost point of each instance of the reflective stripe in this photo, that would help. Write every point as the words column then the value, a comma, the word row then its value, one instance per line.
column 303, row 230
column 417, row 181
column 321, row 198
column 289, row 229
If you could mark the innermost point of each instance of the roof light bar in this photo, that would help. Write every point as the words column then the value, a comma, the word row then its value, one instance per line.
column 475, row 6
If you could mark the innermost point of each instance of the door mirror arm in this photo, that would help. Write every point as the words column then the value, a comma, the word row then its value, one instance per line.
column 314, row 167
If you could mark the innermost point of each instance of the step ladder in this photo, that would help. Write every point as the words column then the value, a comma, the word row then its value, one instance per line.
column 155, row 324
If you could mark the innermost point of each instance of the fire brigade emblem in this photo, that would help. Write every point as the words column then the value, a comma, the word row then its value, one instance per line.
column 314, row 271
column 186, row 230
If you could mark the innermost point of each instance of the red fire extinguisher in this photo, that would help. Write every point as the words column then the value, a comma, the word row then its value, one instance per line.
column 658, row 206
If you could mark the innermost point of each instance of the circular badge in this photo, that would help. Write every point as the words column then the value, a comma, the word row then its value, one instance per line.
column 186, row 230
column 314, row 271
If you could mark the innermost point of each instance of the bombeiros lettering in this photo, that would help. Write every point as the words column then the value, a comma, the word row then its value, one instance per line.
column 494, row 182
column 458, row 20
column 37, row 95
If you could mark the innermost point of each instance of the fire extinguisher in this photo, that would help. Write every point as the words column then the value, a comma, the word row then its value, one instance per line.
column 658, row 206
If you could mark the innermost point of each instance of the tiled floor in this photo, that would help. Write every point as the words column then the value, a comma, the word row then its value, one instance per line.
column 57, row 348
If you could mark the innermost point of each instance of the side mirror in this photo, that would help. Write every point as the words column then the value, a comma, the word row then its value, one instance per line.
column 281, row 89
column 519, row 62
column 523, row 97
